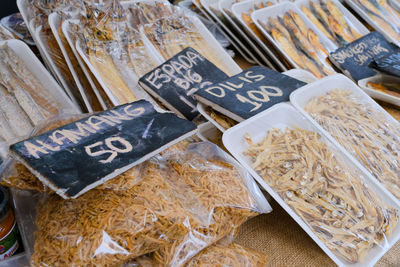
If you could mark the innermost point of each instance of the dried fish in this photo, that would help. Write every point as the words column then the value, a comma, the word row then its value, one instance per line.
column 364, row 131
column 327, row 194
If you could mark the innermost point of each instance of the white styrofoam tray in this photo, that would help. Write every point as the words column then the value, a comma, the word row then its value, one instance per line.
column 202, row 110
column 301, row 75
column 207, row 131
column 262, row 15
column 370, row 21
column 212, row 6
column 244, row 7
column 378, row 94
column 67, row 33
column 55, row 23
column 281, row 116
column 25, row 54
column 227, row 5
column 348, row 16
column 302, row 96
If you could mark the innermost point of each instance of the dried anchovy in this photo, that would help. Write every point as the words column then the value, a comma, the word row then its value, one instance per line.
column 330, row 197
column 365, row 132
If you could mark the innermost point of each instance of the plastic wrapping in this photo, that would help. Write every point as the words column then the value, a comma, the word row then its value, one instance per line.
column 38, row 15
column 330, row 196
column 179, row 202
column 25, row 97
column 385, row 14
column 367, row 133
column 171, row 35
column 114, row 51
column 15, row 25
column 232, row 255
column 297, row 38
column 5, row 34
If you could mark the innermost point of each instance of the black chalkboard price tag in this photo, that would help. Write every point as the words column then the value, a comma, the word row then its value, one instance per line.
column 175, row 81
column 354, row 58
column 248, row 93
column 389, row 64
column 77, row 157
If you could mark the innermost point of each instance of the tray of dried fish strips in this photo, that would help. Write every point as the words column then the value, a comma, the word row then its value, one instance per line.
column 363, row 128
column 171, row 35
column 237, row 41
column 382, row 87
column 383, row 15
column 90, row 99
column 68, row 27
column 225, row 7
column 113, row 51
column 298, row 40
column 242, row 12
column 174, row 205
column 335, row 202
column 37, row 17
column 337, row 23
column 29, row 94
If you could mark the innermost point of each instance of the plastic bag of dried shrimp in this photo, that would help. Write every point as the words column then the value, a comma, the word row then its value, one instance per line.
column 232, row 255
column 187, row 198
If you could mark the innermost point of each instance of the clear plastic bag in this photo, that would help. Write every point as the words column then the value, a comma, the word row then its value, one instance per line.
column 180, row 201
column 232, row 255
column 325, row 191
column 367, row 133
column 171, row 35
column 114, row 50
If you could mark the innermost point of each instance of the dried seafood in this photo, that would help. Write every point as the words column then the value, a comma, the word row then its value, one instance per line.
column 387, row 88
column 330, row 196
column 142, row 13
column 327, row 17
column 218, row 255
column 179, row 193
column 365, row 132
column 246, row 17
column 114, row 50
column 300, row 43
column 385, row 13
column 171, row 35
column 24, row 101
column 220, row 118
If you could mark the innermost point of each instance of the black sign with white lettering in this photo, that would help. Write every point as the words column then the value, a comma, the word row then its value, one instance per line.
column 76, row 157
column 354, row 58
column 175, row 81
column 248, row 93
column 389, row 64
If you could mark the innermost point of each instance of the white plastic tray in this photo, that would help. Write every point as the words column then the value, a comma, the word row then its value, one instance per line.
column 303, row 95
column 210, row 6
column 227, row 5
column 378, row 94
column 66, row 31
column 350, row 18
column 371, row 22
column 244, row 7
column 285, row 115
column 35, row 66
column 55, row 23
column 202, row 110
column 278, row 10
column 301, row 75
column 207, row 131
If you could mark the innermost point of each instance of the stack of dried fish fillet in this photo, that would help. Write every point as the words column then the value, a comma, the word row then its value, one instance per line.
column 173, row 34
column 114, row 49
column 299, row 42
column 329, row 195
column 232, row 255
column 385, row 87
column 327, row 17
column 365, row 132
column 385, row 13
column 24, row 101
column 246, row 17
column 39, row 11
